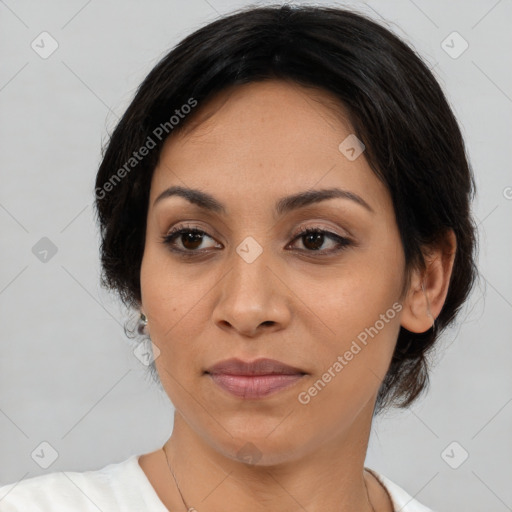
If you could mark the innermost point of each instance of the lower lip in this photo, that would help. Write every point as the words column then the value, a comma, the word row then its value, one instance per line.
column 254, row 386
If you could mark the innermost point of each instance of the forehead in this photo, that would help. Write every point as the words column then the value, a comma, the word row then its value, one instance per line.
column 264, row 98
column 264, row 139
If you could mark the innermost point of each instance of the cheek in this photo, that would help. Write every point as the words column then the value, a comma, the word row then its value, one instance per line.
column 175, row 312
column 361, row 305
column 354, row 295
column 351, row 363
column 175, row 298
column 168, row 290
column 365, row 327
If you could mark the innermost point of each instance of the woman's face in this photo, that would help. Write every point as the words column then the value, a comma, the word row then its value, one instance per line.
column 250, row 287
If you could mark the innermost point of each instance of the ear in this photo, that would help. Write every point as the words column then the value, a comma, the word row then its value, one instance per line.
column 142, row 312
column 429, row 287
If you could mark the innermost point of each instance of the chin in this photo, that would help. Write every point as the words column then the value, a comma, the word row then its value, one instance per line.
column 261, row 448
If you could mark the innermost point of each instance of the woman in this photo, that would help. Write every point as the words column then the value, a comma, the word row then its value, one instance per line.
column 286, row 201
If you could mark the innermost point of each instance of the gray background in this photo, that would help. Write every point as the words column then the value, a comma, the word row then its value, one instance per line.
column 68, row 375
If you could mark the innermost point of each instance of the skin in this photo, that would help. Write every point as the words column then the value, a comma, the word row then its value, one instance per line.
column 248, row 147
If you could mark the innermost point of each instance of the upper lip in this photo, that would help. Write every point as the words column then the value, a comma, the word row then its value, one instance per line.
column 263, row 366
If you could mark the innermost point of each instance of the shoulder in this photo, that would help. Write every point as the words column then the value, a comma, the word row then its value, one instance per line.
column 109, row 488
column 402, row 501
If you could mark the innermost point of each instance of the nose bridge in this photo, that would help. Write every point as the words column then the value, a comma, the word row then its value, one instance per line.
column 250, row 293
column 251, row 276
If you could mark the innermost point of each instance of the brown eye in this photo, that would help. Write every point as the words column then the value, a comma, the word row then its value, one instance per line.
column 191, row 241
column 186, row 240
column 313, row 239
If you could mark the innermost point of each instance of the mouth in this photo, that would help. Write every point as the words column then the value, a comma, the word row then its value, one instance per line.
column 254, row 379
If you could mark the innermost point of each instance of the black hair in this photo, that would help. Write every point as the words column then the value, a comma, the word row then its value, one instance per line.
column 395, row 106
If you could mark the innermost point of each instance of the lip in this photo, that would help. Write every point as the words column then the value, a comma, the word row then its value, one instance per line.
column 254, row 379
column 261, row 366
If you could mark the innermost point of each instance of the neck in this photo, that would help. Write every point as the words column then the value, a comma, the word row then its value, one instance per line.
column 329, row 476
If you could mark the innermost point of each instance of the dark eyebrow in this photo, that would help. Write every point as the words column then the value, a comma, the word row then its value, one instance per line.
column 201, row 199
column 308, row 197
column 284, row 205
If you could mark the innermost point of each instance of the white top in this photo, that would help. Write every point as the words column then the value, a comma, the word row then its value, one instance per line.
column 119, row 487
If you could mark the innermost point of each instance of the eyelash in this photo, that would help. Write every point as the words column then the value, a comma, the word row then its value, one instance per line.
column 179, row 230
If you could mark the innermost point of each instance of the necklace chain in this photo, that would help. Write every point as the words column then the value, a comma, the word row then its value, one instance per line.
column 192, row 509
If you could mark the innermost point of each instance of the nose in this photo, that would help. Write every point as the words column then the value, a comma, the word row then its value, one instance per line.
column 252, row 299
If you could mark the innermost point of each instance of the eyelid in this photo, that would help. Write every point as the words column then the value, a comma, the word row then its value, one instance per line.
column 194, row 226
column 342, row 241
column 304, row 227
column 296, row 232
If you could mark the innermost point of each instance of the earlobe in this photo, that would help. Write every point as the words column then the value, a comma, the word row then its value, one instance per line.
column 429, row 287
column 142, row 327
